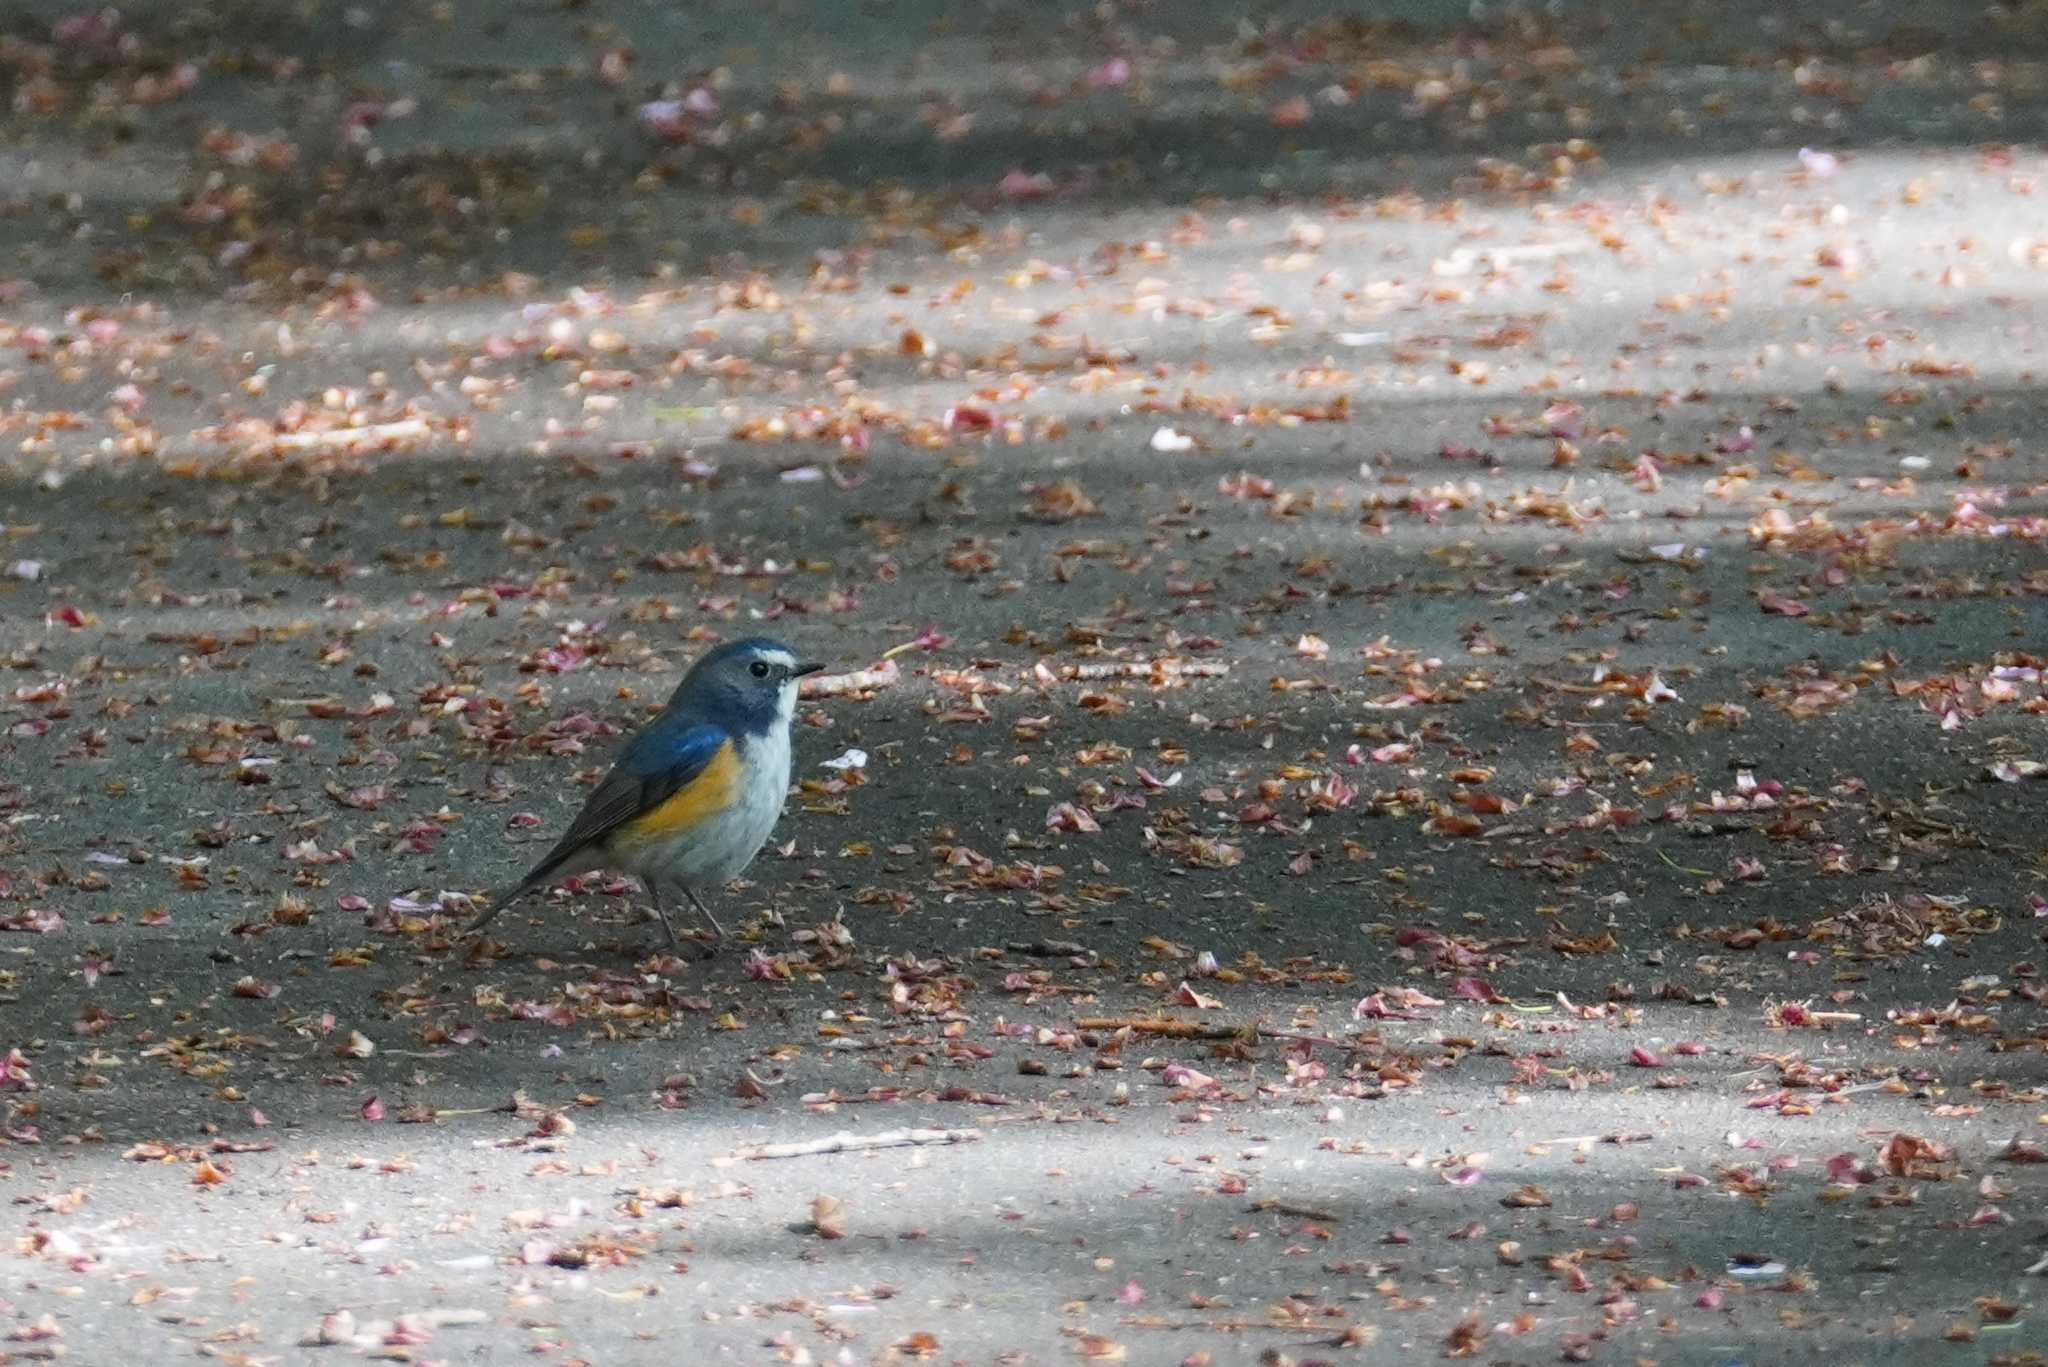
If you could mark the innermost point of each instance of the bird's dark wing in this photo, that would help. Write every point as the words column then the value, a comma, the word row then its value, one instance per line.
column 661, row 760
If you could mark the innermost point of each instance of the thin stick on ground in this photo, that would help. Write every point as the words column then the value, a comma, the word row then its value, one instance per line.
column 1199, row 1030
column 853, row 681
column 1146, row 669
column 401, row 430
column 1161, row 1025
column 846, row 1142
column 1300, row 1212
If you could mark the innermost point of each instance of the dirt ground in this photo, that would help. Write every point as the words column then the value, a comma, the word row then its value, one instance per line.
column 1450, row 757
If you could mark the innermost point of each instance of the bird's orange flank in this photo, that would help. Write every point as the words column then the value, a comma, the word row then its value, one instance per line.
column 706, row 795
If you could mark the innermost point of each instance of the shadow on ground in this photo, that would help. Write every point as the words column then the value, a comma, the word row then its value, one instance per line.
column 487, row 143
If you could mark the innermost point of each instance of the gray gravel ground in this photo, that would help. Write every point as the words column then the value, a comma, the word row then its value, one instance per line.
column 1604, row 544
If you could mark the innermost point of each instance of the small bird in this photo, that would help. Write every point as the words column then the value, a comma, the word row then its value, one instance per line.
column 690, row 801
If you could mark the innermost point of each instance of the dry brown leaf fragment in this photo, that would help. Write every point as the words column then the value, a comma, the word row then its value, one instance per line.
column 1908, row 1155
column 1465, row 1338
column 1292, row 112
column 1060, row 501
column 828, row 1217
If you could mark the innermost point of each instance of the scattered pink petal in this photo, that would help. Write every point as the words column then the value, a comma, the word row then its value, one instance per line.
column 1020, row 184
column 14, row 1073
column 1110, row 74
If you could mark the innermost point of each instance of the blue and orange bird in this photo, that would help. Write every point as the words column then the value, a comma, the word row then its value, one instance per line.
column 691, row 799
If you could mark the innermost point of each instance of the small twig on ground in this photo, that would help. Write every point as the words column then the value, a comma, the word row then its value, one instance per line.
column 1147, row 669
column 1302, row 1038
column 353, row 436
column 1180, row 1029
column 1235, row 1326
column 1579, row 1140
column 1161, row 1025
column 853, row 681
column 1697, row 873
column 844, row 1142
column 1053, row 949
column 1299, row 1212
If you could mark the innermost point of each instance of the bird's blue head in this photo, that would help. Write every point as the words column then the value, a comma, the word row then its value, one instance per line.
column 749, row 685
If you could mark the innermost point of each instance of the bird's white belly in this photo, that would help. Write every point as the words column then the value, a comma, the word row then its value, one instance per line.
column 714, row 850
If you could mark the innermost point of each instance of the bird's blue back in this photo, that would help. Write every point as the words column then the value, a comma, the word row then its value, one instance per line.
column 674, row 749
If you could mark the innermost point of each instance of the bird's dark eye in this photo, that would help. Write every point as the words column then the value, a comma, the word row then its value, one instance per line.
column 759, row 669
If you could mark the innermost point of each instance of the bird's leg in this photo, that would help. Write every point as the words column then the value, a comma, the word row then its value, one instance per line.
column 717, row 930
column 654, row 895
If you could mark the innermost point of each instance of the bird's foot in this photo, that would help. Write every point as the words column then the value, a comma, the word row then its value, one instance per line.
column 697, row 944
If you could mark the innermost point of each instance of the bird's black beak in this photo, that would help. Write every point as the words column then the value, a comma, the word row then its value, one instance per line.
column 799, row 671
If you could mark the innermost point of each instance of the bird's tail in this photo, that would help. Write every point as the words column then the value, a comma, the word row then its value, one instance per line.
column 537, row 877
column 499, row 901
